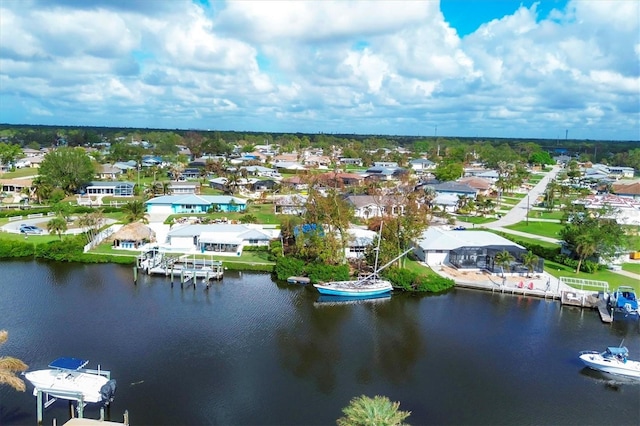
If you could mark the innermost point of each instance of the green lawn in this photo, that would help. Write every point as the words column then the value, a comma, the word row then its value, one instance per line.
column 415, row 266
column 18, row 173
column 543, row 214
column 477, row 220
column 545, row 229
column 525, row 239
column 631, row 267
column 247, row 256
column 614, row 280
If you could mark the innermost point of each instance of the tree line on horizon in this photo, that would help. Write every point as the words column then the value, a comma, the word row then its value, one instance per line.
column 449, row 149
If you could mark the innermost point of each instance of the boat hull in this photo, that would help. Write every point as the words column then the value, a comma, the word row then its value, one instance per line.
column 67, row 384
column 355, row 288
column 596, row 361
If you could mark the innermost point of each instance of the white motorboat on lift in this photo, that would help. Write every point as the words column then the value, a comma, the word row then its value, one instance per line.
column 66, row 378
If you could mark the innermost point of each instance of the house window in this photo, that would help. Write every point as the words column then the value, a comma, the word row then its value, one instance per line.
column 357, row 249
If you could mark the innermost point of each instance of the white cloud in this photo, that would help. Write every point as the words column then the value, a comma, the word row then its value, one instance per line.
column 380, row 66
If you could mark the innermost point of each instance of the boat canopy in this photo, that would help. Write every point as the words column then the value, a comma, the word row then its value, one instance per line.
column 618, row 351
column 65, row 363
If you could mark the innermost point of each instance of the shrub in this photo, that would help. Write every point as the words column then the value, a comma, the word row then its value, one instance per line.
column 288, row 266
column 412, row 281
column 322, row 272
column 9, row 249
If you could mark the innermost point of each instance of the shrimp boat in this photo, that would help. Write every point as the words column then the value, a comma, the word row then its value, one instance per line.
column 614, row 360
column 66, row 378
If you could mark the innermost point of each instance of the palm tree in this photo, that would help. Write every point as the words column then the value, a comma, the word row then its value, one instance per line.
column 9, row 366
column 502, row 259
column 377, row 411
column 530, row 260
column 135, row 211
column 91, row 223
column 57, row 225
column 585, row 247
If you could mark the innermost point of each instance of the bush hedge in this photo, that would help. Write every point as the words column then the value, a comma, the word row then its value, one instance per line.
column 412, row 281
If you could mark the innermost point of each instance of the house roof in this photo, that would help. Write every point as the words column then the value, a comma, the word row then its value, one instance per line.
column 110, row 184
column 436, row 238
column 626, row 188
column 220, row 233
column 135, row 231
column 454, row 187
column 196, row 199
column 476, row 182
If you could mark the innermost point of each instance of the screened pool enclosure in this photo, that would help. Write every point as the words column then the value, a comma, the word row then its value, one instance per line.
column 484, row 258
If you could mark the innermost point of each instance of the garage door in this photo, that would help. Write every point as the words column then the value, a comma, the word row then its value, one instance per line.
column 164, row 209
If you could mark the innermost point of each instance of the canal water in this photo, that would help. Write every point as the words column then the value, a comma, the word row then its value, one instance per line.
column 253, row 352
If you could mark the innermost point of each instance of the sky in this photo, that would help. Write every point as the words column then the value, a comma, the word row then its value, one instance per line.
column 491, row 68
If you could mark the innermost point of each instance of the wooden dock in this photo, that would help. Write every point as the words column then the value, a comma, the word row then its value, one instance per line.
column 605, row 314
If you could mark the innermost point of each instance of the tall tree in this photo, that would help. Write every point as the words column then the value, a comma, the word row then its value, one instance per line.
column 67, row 169
column 9, row 153
column 135, row 211
column 9, row 366
column 57, row 225
column 503, row 259
column 530, row 260
column 594, row 227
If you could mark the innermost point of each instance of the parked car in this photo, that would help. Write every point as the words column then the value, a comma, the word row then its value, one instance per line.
column 459, row 228
column 30, row 229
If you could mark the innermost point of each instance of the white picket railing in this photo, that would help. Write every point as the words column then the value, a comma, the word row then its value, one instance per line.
column 101, row 236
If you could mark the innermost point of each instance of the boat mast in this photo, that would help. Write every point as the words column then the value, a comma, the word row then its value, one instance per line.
column 375, row 267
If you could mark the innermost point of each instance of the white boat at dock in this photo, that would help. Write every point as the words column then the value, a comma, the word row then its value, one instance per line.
column 614, row 360
column 66, row 378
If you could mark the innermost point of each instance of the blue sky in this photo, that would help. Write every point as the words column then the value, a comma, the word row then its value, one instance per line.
column 466, row 16
column 485, row 68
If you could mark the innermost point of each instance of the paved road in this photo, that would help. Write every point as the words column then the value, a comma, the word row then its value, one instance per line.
column 519, row 212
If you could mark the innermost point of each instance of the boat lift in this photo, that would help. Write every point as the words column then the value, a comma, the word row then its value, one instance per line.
column 46, row 397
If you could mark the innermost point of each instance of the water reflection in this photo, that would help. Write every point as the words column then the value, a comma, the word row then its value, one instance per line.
column 352, row 337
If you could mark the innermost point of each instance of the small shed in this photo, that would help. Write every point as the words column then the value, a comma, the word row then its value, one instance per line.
column 132, row 236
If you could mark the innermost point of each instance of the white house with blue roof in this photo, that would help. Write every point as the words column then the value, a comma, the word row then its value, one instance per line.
column 192, row 203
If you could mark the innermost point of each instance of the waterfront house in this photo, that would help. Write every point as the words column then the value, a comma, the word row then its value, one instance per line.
column 222, row 239
column 176, row 204
column 470, row 250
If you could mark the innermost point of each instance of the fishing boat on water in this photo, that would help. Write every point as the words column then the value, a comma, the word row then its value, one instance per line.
column 66, row 378
column 614, row 360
